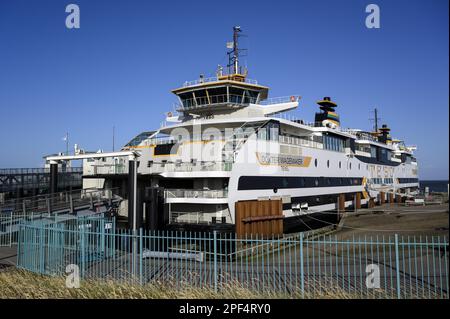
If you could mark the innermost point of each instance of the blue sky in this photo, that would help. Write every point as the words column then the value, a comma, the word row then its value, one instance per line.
column 119, row 67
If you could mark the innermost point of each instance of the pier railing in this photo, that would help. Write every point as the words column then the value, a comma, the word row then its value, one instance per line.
column 25, row 171
column 50, row 203
column 37, row 179
column 296, row 265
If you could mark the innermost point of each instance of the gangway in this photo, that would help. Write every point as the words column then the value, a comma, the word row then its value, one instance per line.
column 58, row 206
column 132, row 156
column 61, row 202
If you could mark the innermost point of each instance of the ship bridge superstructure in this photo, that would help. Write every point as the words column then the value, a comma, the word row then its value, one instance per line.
column 224, row 94
column 230, row 93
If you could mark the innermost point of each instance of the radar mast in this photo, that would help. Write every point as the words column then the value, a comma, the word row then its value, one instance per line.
column 233, row 55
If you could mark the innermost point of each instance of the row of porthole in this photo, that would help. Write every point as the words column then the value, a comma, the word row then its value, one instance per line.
column 340, row 165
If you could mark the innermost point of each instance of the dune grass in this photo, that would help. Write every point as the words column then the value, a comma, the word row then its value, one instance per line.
column 19, row 284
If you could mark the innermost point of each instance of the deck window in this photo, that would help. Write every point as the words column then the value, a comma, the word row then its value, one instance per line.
column 333, row 143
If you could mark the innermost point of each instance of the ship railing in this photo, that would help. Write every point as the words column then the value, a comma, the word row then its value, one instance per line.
column 291, row 140
column 216, row 99
column 359, row 135
column 205, row 166
column 280, row 99
column 161, row 167
column 293, row 118
column 172, row 140
column 160, row 141
column 212, row 79
column 365, row 136
column 353, row 131
column 196, row 193
column 106, row 169
column 187, row 218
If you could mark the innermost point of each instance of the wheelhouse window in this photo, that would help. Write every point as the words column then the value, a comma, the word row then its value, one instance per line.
column 138, row 139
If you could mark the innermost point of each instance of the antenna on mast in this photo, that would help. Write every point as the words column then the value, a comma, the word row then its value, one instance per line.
column 375, row 120
column 233, row 55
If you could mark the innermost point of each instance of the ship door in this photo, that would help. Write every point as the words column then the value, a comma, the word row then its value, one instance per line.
column 263, row 218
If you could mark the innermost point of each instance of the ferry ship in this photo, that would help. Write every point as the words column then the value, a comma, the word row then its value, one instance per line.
column 229, row 158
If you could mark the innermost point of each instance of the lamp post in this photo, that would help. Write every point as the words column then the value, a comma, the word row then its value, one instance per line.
column 132, row 208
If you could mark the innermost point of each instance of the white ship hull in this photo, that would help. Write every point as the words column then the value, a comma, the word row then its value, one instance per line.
column 227, row 146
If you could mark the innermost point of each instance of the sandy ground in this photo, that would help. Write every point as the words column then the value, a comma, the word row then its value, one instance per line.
column 431, row 220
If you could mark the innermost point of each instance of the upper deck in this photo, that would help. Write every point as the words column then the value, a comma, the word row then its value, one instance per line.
column 211, row 81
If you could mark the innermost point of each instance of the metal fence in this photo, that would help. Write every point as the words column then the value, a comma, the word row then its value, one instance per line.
column 10, row 223
column 368, row 267
column 9, row 228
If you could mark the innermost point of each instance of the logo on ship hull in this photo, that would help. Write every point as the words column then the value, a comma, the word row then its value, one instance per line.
column 283, row 160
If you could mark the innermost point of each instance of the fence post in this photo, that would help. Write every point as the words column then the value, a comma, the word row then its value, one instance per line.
column 83, row 254
column 140, row 256
column 41, row 249
column 302, row 273
column 397, row 266
column 215, row 261
column 102, row 237
column 10, row 229
column 19, row 243
column 134, row 255
column 114, row 236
